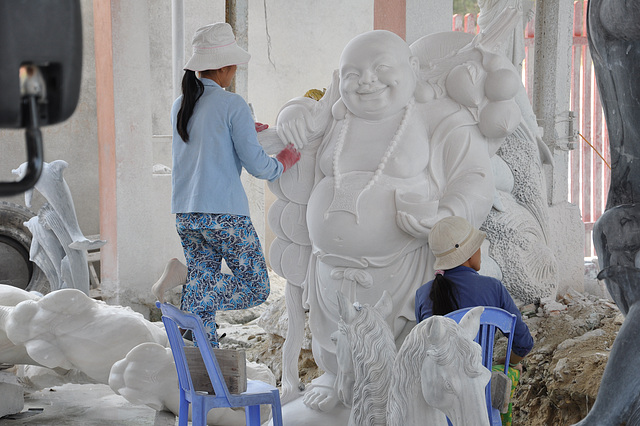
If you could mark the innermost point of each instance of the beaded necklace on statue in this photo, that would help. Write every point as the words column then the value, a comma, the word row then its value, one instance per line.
column 347, row 194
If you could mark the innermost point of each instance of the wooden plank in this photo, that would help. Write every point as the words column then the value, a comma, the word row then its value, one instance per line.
column 93, row 276
column 93, row 256
column 233, row 364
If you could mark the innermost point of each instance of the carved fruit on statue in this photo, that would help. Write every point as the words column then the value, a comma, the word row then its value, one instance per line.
column 501, row 85
column 465, row 84
column 498, row 119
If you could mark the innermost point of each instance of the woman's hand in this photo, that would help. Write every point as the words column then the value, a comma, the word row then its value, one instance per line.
column 288, row 157
column 260, row 127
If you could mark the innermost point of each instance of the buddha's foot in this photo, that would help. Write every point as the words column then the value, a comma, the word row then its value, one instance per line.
column 321, row 394
column 174, row 275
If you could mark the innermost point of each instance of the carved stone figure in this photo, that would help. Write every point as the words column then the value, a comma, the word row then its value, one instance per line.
column 58, row 245
column 513, row 43
column 518, row 224
column 147, row 376
column 366, row 350
column 437, row 371
column 67, row 331
column 402, row 137
column 613, row 30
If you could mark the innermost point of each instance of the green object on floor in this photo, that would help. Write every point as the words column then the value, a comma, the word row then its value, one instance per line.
column 514, row 376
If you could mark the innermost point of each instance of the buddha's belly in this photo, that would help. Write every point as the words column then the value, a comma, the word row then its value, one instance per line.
column 370, row 233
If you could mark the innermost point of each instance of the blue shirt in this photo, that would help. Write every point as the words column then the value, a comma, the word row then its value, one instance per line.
column 478, row 290
column 206, row 170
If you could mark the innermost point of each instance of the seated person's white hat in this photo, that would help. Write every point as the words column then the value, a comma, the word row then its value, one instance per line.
column 214, row 47
column 453, row 241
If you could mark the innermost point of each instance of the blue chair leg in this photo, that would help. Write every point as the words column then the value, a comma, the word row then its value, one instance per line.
column 252, row 415
column 198, row 415
column 276, row 409
column 183, row 415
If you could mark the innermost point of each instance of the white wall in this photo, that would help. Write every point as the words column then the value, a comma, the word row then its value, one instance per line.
column 307, row 38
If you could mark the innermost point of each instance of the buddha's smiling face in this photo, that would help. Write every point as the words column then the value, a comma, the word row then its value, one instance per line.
column 377, row 75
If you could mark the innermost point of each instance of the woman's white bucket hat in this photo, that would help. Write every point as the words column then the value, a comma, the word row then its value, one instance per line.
column 214, row 47
column 453, row 241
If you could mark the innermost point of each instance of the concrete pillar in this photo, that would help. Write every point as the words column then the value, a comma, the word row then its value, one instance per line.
column 551, row 97
column 134, row 204
column 552, row 79
column 427, row 17
column 237, row 12
column 177, row 45
column 106, row 138
column 390, row 15
column 237, row 15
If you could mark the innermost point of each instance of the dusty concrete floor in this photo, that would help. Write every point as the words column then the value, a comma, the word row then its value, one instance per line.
column 84, row 405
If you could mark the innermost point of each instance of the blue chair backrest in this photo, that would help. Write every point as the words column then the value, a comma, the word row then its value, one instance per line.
column 173, row 318
column 491, row 319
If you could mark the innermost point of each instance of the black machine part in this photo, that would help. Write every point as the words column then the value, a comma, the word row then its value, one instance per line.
column 40, row 73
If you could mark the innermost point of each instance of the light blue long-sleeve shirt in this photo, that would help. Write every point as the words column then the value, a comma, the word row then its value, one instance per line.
column 222, row 140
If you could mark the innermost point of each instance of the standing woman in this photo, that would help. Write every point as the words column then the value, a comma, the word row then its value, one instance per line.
column 214, row 137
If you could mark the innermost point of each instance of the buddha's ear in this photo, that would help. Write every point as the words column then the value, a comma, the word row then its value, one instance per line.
column 339, row 110
column 415, row 64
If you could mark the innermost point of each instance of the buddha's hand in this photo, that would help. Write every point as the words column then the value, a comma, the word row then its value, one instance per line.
column 418, row 228
column 294, row 125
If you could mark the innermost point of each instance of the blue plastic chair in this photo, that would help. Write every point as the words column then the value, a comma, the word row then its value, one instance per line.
column 491, row 319
column 257, row 392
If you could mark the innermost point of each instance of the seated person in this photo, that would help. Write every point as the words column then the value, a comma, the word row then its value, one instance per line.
column 457, row 284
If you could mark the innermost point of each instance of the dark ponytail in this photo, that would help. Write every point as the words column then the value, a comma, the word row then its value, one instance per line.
column 192, row 89
column 443, row 295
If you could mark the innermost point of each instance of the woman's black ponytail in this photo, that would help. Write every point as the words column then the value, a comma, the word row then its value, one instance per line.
column 192, row 89
column 443, row 295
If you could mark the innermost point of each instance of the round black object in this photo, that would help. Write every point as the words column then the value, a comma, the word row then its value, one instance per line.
column 15, row 240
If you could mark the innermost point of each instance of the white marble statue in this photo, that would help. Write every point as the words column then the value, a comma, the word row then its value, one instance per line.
column 438, row 370
column 366, row 350
column 69, row 330
column 518, row 225
column 402, row 137
column 147, row 376
column 513, row 43
column 87, row 340
column 58, row 245
column 11, row 353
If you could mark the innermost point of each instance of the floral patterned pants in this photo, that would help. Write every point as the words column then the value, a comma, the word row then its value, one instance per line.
column 206, row 240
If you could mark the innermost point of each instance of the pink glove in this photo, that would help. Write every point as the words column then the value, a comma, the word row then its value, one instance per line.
column 288, row 157
column 260, row 127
